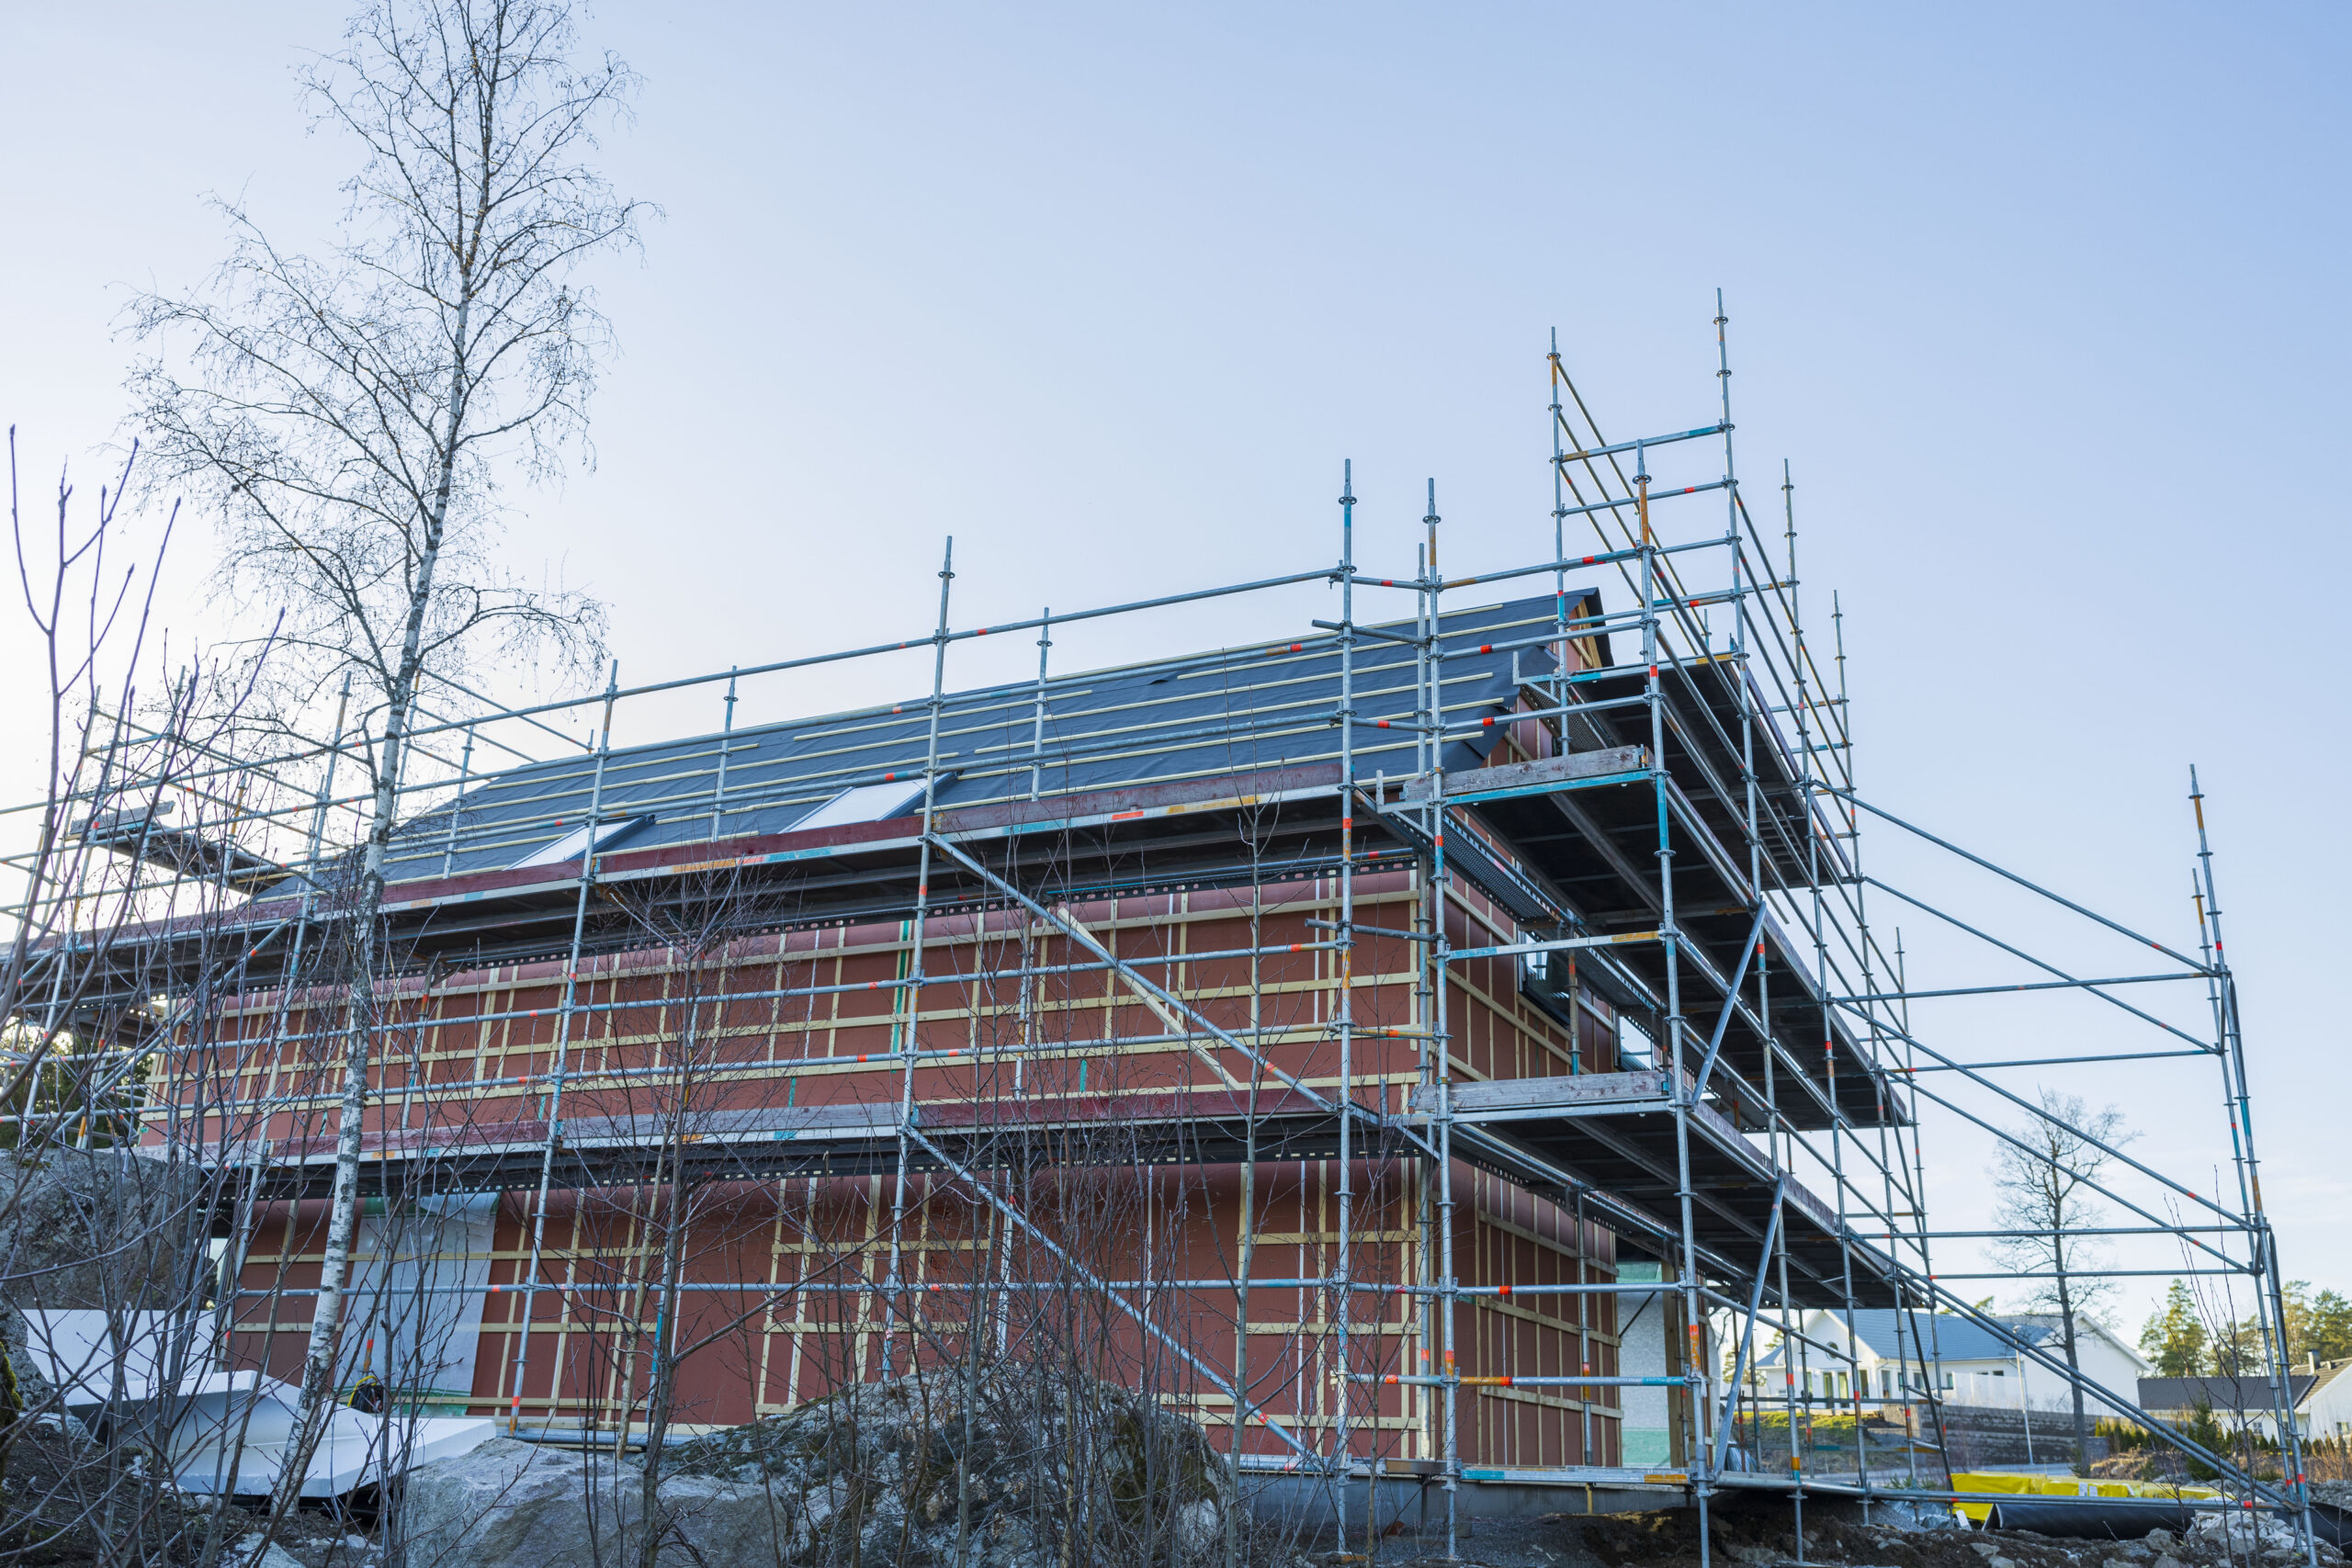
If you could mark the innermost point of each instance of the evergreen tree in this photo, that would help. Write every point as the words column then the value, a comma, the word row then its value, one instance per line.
column 2317, row 1325
column 2174, row 1338
column 2331, row 1326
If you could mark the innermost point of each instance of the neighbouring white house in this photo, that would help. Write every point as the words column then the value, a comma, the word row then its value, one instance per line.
column 2321, row 1391
column 1965, row 1361
column 2326, row 1408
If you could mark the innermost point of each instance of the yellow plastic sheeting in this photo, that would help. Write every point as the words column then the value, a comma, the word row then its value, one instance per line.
column 2059, row 1486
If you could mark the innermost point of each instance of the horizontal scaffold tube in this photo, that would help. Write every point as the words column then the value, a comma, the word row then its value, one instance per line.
column 1407, row 1380
column 821, row 1287
column 2062, row 1061
column 1464, row 729
column 789, row 1067
column 2019, row 985
column 2117, row 1273
column 1566, row 945
column 855, row 1287
column 1657, row 493
column 1573, row 563
column 1644, row 443
column 781, row 993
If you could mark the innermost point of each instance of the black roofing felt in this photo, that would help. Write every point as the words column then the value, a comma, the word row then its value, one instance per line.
column 1235, row 710
column 1264, row 713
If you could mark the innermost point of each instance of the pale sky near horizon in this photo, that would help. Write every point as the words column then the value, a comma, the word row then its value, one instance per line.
column 2042, row 305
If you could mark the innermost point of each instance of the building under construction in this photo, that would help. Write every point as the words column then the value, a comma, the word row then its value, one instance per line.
column 1438, row 1048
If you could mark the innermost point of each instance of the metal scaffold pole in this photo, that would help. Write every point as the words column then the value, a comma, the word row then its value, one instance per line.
column 2270, row 1301
column 1439, row 1046
column 1559, row 534
column 1813, row 828
column 561, row 1059
column 1344, row 1018
column 1839, row 1132
column 892, row 1308
column 1697, row 1389
column 1751, row 824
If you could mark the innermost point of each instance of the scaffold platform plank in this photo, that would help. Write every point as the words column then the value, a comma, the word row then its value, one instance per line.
column 1617, row 1133
column 1599, row 846
column 1208, row 1126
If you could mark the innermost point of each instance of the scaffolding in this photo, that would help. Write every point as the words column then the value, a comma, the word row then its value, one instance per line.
column 1438, row 829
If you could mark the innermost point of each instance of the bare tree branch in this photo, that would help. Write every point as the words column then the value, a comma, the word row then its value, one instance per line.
column 2046, row 1178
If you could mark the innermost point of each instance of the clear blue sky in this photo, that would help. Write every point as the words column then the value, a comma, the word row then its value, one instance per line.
column 2043, row 304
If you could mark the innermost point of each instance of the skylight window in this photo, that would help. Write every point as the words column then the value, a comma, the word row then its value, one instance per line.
column 572, row 845
column 864, row 803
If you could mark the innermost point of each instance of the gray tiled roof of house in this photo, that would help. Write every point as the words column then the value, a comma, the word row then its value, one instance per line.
column 1888, row 1334
column 2247, row 1394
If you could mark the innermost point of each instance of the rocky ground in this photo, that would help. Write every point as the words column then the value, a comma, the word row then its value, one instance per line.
column 871, row 1478
column 1030, row 1476
column 1740, row 1537
column 65, row 1503
column 1743, row 1533
column 1752, row 1533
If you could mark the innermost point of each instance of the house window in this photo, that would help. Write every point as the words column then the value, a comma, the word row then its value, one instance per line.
column 601, row 834
column 864, row 803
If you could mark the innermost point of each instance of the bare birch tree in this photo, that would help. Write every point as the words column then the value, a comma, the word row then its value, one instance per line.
column 351, row 415
column 2047, row 1183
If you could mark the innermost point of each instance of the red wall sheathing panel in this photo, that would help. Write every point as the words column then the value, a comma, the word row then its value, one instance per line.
column 679, row 1032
